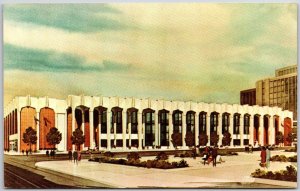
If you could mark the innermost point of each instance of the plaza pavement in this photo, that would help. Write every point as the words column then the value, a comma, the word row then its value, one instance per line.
column 235, row 169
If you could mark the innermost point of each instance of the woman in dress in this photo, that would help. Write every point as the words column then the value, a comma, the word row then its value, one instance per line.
column 268, row 156
column 263, row 156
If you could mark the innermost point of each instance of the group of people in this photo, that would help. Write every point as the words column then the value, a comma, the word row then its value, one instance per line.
column 75, row 155
column 27, row 152
column 210, row 154
column 51, row 154
column 265, row 156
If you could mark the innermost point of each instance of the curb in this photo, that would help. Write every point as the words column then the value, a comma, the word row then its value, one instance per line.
column 276, row 182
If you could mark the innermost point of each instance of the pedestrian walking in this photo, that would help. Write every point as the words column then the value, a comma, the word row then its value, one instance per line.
column 263, row 156
column 75, row 157
column 214, row 156
column 22, row 151
column 268, row 157
column 47, row 153
column 79, row 156
column 26, row 152
column 70, row 156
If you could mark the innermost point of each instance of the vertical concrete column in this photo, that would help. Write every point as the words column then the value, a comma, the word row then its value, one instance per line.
column 73, row 125
column 208, row 127
column 65, row 147
column 37, row 128
column 271, row 130
column 82, row 126
column 219, row 129
column 231, row 129
column 143, row 133
column 99, row 131
column 261, row 130
column 156, row 141
column 124, row 133
column 242, row 129
column 18, row 130
column 171, row 146
column 196, row 130
column 108, row 122
column 251, row 130
column 92, row 136
column 129, row 132
column 115, row 130
column 183, row 129
column 140, row 122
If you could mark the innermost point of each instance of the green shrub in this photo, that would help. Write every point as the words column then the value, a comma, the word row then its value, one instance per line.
column 149, row 164
column 290, row 174
column 182, row 164
column 133, row 155
column 282, row 158
column 293, row 158
column 108, row 154
column 162, row 156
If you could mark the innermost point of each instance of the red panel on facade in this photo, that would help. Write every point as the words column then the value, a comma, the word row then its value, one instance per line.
column 27, row 120
column 87, row 134
column 69, row 131
column 287, row 129
column 47, row 121
column 16, row 122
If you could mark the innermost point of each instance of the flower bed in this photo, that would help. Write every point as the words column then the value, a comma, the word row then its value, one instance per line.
column 161, row 164
column 290, row 174
column 282, row 158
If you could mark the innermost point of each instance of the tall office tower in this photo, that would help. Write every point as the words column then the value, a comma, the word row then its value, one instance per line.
column 280, row 90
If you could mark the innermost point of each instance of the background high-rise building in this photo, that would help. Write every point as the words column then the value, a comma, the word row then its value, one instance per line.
column 248, row 97
column 280, row 91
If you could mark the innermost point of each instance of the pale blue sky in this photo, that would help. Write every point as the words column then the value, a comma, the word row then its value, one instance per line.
column 192, row 51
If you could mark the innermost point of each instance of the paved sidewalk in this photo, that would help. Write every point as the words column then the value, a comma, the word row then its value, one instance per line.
column 234, row 169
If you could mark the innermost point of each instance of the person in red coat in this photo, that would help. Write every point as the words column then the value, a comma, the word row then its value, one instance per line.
column 263, row 156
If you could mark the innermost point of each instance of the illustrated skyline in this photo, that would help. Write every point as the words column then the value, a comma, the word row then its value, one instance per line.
column 187, row 51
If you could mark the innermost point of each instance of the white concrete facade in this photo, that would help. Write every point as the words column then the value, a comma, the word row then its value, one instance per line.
column 127, row 137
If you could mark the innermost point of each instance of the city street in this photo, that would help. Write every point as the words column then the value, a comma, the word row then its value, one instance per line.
column 20, row 172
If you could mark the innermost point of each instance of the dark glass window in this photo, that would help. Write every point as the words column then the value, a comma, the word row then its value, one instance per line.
column 190, row 121
column 236, row 123
column 202, row 122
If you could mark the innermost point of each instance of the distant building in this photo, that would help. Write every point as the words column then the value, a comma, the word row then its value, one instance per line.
column 248, row 97
column 280, row 90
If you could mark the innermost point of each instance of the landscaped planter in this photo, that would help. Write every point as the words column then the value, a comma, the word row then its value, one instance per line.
column 290, row 174
column 161, row 164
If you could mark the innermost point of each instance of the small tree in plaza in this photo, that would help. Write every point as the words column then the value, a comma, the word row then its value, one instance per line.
column 190, row 139
column 29, row 137
column 53, row 137
column 77, row 138
column 290, row 138
column 176, row 139
column 203, row 139
column 214, row 138
column 279, row 137
column 226, row 139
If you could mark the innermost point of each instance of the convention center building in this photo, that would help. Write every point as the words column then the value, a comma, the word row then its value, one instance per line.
column 110, row 123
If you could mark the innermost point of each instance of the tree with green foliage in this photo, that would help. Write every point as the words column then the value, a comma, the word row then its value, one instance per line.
column 203, row 139
column 53, row 137
column 214, row 138
column 279, row 137
column 226, row 139
column 77, row 138
column 29, row 137
column 190, row 139
column 176, row 139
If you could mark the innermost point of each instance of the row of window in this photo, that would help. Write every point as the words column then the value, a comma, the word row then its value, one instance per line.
column 148, row 118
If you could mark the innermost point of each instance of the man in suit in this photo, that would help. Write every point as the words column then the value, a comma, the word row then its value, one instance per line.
column 214, row 156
